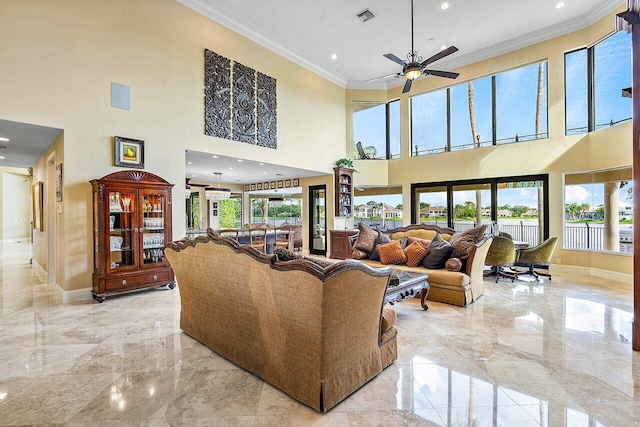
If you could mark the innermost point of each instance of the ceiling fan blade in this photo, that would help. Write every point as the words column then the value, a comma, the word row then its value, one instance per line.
column 447, row 74
column 407, row 86
column 394, row 58
column 448, row 51
column 384, row 77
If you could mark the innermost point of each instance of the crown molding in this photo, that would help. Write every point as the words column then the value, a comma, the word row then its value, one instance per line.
column 234, row 23
column 254, row 34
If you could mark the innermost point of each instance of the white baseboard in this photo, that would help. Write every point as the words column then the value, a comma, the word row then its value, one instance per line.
column 595, row 272
column 76, row 295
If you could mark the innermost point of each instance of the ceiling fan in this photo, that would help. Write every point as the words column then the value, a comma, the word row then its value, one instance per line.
column 415, row 67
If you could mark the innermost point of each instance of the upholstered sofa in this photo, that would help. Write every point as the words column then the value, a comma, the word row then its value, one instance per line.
column 316, row 333
column 453, row 287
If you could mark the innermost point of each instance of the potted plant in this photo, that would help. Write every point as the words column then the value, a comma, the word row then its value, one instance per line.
column 344, row 163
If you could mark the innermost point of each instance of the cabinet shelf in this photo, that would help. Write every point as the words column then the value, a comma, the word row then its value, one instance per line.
column 343, row 185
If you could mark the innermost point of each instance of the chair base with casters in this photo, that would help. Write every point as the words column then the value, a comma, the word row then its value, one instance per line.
column 500, row 271
column 531, row 270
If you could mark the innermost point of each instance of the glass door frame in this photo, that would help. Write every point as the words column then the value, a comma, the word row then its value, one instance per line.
column 312, row 218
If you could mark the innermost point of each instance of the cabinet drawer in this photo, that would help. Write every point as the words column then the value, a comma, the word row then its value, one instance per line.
column 156, row 278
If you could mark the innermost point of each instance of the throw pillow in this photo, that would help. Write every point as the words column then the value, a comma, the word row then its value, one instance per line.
column 439, row 252
column 464, row 242
column 453, row 264
column 366, row 240
column 380, row 240
column 392, row 253
column 357, row 254
column 415, row 252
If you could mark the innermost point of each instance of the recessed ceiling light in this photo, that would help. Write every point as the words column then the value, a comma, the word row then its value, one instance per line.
column 1, row 157
column 4, row 139
column 189, row 163
column 444, row 5
column 193, row 176
column 214, row 156
column 261, row 164
column 239, row 160
column 334, row 56
column 264, row 172
column 443, row 47
column 559, row 5
column 230, row 168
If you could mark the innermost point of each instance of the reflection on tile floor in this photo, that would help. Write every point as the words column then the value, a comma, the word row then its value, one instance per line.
column 525, row 354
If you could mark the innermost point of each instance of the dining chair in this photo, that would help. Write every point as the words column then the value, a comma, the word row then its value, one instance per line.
column 258, row 238
column 502, row 253
column 283, row 237
column 536, row 257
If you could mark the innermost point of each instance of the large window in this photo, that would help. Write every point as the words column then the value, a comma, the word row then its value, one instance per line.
column 599, row 211
column 521, row 104
column 275, row 211
column 507, row 107
column 514, row 205
column 376, row 125
column 381, row 208
column 596, row 83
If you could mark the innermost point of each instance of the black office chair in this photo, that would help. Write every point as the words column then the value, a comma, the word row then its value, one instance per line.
column 361, row 152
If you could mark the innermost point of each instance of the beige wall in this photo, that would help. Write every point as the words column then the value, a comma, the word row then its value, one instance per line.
column 555, row 156
column 60, row 57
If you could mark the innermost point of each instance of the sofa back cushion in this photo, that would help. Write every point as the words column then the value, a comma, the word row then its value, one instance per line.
column 422, row 234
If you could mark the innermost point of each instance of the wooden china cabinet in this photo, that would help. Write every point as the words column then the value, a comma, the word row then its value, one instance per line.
column 131, row 224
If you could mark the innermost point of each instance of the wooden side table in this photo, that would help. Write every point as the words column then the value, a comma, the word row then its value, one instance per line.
column 340, row 245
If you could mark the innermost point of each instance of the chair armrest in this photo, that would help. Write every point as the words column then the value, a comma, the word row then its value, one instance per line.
column 477, row 257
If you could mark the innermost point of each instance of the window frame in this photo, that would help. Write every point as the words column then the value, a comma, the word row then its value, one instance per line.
column 387, row 155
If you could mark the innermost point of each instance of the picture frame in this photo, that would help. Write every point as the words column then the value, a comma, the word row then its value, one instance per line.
column 287, row 183
column 247, row 187
column 253, row 187
column 296, row 182
column 128, row 153
column 265, row 185
column 272, row 185
column 280, row 184
column 37, row 206
column 259, row 186
column 59, row 182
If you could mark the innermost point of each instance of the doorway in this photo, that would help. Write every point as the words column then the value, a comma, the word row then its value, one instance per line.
column 317, row 220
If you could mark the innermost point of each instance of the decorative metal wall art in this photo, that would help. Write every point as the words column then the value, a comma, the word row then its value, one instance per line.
column 217, row 95
column 240, row 103
column 244, row 104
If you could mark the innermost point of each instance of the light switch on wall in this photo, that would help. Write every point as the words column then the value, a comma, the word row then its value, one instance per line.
column 59, row 209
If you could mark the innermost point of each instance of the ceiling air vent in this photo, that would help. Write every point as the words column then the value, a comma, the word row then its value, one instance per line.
column 365, row 15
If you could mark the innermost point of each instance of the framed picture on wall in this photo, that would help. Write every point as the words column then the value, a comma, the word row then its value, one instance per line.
column 128, row 153
column 246, row 187
column 296, row 182
column 59, row 182
column 287, row 183
column 259, row 186
column 280, row 184
column 265, row 185
column 272, row 185
column 253, row 187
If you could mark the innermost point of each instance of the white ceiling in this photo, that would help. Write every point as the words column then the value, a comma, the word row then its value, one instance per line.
column 26, row 143
column 309, row 32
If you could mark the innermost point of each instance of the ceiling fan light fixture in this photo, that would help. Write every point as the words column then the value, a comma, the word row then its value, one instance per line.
column 412, row 73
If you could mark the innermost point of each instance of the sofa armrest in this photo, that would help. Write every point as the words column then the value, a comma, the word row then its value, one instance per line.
column 478, row 255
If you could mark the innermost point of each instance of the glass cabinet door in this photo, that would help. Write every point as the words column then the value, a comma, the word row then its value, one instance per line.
column 153, row 226
column 122, row 251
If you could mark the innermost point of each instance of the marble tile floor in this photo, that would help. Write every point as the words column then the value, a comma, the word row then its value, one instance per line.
column 525, row 354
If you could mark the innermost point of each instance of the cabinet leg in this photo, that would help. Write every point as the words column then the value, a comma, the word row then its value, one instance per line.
column 172, row 285
column 100, row 298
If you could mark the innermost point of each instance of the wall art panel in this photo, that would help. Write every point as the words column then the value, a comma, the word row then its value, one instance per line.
column 266, row 111
column 244, row 104
column 217, row 95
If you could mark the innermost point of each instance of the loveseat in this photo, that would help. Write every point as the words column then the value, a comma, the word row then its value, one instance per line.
column 316, row 333
column 453, row 287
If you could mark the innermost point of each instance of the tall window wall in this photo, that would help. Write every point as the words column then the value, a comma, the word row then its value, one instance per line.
column 595, row 81
column 503, row 108
column 376, row 125
column 515, row 205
